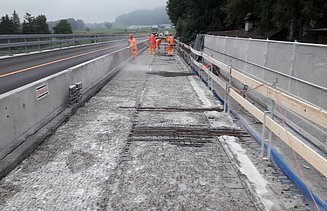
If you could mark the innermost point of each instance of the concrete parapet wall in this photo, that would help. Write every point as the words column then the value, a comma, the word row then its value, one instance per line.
column 22, row 114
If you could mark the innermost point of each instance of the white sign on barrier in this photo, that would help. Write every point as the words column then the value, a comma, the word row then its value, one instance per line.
column 42, row 91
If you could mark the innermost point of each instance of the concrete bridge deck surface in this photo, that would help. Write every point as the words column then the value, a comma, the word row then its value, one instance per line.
column 113, row 155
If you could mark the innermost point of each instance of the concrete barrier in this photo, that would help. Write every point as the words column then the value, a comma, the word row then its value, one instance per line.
column 25, row 110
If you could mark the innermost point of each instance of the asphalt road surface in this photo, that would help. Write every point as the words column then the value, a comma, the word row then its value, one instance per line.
column 18, row 71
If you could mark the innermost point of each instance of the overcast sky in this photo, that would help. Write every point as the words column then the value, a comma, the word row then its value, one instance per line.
column 88, row 10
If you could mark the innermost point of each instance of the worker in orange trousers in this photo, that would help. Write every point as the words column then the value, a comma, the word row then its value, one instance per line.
column 133, row 46
column 158, row 42
column 152, row 42
column 170, row 45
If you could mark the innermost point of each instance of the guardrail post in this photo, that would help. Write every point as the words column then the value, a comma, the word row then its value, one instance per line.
column 60, row 42
column 52, row 44
column 272, row 109
column 38, row 39
column 211, row 81
column 25, row 44
column 263, row 131
column 291, row 73
column 204, row 77
column 9, row 50
column 228, row 86
column 270, row 133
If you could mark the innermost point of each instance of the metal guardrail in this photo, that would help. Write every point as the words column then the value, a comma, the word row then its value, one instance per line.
column 10, row 44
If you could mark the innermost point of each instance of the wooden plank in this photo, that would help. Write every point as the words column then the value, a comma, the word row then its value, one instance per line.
column 216, row 62
column 187, row 47
column 215, row 78
column 198, row 53
column 312, row 113
column 316, row 160
column 210, row 59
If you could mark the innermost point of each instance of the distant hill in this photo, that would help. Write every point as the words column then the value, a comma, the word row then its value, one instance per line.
column 144, row 17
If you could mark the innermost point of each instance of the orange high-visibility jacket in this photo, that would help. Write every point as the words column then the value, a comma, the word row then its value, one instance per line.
column 152, row 39
column 170, row 40
column 132, row 43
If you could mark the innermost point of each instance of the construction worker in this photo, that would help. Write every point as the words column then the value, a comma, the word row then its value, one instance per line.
column 152, row 42
column 158, row 42
column 170, row 45
column 133, row 46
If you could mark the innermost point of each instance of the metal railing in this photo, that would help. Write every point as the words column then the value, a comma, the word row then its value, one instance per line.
column 300, row 67
column 227, row 90
column 307, row 127
column 217, row 83
column 13, row 44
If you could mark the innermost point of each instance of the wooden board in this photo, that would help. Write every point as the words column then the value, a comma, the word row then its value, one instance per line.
column 316, row 160
column 196, row 52
column 215, row 78
column 312, row 113
column 216, row 62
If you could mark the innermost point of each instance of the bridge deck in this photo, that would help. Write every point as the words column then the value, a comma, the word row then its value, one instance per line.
column 147, row 140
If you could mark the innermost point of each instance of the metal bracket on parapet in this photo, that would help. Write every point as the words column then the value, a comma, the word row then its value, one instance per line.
column 228, row 87
column 75, row 93
column 263, row 131
column 272, row 109
column 210, row 85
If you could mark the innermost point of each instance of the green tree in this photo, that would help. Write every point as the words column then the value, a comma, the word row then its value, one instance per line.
column 28, row 24
column 236, row 11
column 295, row 16
column 15, row 23
column 40, row 24
column 177, row 9
column 108, row 25
column 63, row 27
column 299, row 15
column 5, row 25
column 191, row 17
column 10, row 25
